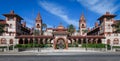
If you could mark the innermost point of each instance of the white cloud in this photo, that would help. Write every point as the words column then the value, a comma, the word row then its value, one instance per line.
column 58, row 11
column 100, row 6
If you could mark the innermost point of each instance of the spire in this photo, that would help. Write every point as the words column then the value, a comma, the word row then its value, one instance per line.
column 38, row 17
column 82, row 18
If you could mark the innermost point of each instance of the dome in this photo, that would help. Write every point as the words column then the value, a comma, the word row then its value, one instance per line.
column 60, row 27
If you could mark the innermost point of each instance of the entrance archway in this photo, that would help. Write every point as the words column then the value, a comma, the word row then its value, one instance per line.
column 60, row 44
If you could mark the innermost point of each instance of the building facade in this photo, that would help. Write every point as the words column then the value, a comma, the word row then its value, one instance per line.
column 16, row 32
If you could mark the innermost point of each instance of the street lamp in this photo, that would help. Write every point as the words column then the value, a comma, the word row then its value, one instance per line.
column 86, row 42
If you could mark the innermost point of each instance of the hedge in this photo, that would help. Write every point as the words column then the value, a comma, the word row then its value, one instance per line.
column 116, row 46
column 94, row 45
column 32, row 45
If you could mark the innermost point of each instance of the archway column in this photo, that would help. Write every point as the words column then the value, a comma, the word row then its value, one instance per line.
column 91, row 40
column 81, row 41
column 96, row 40
column 18, row 40
column 73, row 41
column 33, row 40
column 23, row 40
column 66, row 42
column 43, row 40
column 28, row 40
column 77, row 40
column 39, row 41
column 48, row 41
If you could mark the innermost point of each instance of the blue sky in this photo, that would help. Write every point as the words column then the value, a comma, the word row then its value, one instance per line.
column 54, row 12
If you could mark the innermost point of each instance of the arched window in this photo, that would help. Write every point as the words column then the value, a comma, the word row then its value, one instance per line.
column 83, row 25
column 38, row 26
column 108, row 41
column 3, row 41
column 11, row 41
column 116, row 41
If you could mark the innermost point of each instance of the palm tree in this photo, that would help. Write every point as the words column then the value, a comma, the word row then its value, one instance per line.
column 71, row 29
column 44, row 26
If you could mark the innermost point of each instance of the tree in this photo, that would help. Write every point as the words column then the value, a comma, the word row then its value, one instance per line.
column 44, row 26
column 71, row 29
column 2, row 28
column 36, row 32
column 117, row 27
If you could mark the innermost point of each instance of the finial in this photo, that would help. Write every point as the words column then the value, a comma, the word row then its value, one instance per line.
column 11, row 12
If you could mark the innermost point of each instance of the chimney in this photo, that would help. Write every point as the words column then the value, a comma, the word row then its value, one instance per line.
column 96, row 24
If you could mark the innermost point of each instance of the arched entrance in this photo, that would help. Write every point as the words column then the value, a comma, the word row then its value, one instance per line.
column 60, row 44
column 108, row 41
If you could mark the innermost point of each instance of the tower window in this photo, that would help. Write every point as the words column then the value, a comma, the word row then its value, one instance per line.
column 83, row 25
column 38, row 26
column 11, row 19
column 108, row 18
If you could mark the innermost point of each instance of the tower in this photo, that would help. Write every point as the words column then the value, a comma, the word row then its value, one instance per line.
column 13, row 20
column 82, row 25
column 106, row 22
column 38, row 24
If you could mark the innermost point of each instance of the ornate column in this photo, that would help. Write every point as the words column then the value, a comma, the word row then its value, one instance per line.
column 33, row 40
column 96, row 40
column 81, row 41
column 66, row 44
column 39, row 41
column 18, row 41
column 54, row 43
column 91, row 40
column 77, row 40
column 73, row 41
column 23, row 40
column 43, row 40
column 48, row 41
column 28, row 40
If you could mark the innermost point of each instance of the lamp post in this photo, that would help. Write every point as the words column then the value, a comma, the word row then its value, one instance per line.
column 86, row 43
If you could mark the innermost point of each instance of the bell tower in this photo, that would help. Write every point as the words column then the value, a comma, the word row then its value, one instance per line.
column 106, row 22
column 82, row 25
column 38, row 24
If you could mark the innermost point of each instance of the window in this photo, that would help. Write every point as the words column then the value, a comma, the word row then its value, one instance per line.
column 3, row 41
column 116, row 41
column 10, row 25
column 108, row 18
column 38, row 26
column 108, row 26
column 83, row 25
column 108, row 41
column 11, row 41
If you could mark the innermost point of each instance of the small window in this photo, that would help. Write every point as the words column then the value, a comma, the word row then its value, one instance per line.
column 38, row 26
column 83, row 25
column 10, row 26
column 11, row 19
column 3, row 41
column 116, row 41
column 11, row 41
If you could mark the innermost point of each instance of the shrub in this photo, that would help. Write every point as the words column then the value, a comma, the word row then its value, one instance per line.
column 94, row 45
column 73, row 45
